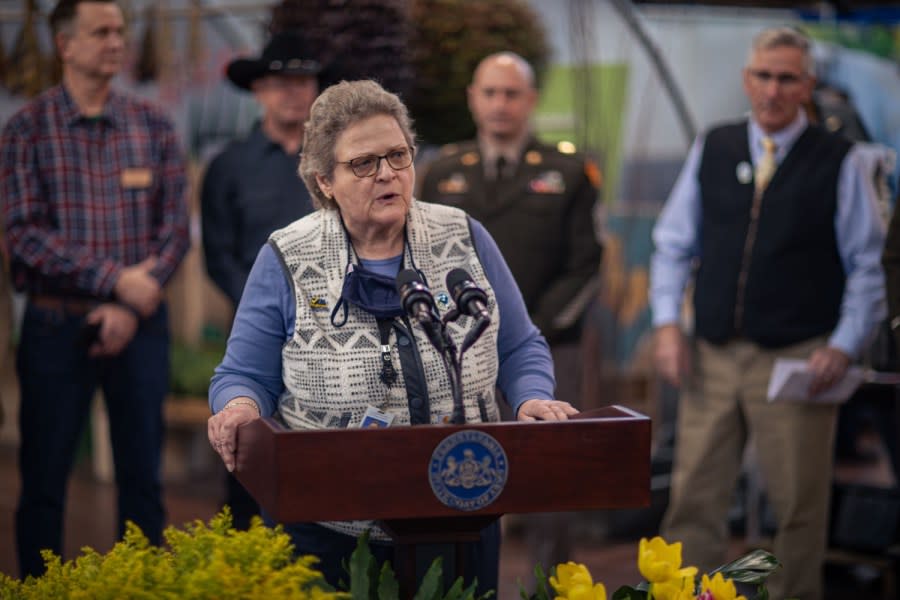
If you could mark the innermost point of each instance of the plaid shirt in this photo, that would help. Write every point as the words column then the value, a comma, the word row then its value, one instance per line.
column 84, row 197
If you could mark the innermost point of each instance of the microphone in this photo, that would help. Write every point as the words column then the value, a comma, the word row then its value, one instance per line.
column 416, row 298
column 417, row 302
column 469, row 298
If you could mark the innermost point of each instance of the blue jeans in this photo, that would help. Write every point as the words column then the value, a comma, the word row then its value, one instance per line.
column 57, row 381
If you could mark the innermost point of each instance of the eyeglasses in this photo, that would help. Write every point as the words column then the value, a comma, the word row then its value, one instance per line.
column 369, row 164
column 785, row 79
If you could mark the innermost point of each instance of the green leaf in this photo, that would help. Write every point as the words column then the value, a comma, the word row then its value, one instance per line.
column 470, row 592
column 388, row 588
column 626, row 592
column 430, row 589
column 456, row 590
column 761, row 593
column 362, row 566
column 754, row 567
column 541, row 584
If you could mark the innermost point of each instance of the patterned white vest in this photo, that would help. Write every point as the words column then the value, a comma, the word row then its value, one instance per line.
column 331, row 374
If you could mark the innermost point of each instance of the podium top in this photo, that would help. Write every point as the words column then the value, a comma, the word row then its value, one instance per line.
column 599, row 459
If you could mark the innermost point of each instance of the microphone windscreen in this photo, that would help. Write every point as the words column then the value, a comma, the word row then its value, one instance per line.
column 456, row 277
column 407, row 276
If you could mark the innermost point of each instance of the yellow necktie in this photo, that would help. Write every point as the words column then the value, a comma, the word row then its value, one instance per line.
column 765, row 168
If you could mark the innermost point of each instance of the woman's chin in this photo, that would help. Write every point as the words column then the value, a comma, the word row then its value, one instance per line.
column 390, row 209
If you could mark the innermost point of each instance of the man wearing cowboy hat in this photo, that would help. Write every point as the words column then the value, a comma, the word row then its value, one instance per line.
column 252, row 188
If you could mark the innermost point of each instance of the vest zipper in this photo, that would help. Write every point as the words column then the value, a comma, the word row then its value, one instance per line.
column 752, row 228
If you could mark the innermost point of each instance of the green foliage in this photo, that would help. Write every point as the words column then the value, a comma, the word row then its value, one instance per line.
column 388, row 586
column 448, row 40
column 424, row 50
column 874, row 38
column 357, row 39
column 542, row 589
column 368, row 582
column 364, row 578
column 754, row 567
column 190, row 368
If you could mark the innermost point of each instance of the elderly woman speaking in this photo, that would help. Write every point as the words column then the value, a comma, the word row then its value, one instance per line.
column 321, row 338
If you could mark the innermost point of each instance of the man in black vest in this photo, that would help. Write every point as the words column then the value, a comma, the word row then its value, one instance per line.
column 776, row 221
column 537, row 201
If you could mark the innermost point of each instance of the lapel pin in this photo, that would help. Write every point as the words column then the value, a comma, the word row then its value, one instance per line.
column 744, row 172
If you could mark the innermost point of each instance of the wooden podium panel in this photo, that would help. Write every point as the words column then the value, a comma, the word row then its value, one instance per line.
column 599, row 460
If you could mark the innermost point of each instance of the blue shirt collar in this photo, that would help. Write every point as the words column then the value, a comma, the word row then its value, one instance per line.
column 783, row 139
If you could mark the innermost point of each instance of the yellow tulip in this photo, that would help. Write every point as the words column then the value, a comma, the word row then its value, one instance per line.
column 673, row 589
column 721, row 588
column 659, row 562
column 570, row 575
column 585, row 592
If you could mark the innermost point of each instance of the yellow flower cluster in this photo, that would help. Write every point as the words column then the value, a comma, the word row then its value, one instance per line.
column 660, row 564
column 200, row 561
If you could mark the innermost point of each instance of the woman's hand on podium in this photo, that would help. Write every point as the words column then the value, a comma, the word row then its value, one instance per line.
column 545, row 410
column 222, row 427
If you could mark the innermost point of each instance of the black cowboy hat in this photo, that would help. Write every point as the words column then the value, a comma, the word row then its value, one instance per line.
column 287, row 53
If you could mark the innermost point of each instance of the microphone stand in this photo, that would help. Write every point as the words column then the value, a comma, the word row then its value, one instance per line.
column 453, row 361
column 453, row 366
column 435, row 328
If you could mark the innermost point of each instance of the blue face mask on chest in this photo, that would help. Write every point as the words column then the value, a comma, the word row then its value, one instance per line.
column 372, row 292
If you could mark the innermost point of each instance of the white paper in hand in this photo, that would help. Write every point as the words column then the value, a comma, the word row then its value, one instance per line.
column 791, row 379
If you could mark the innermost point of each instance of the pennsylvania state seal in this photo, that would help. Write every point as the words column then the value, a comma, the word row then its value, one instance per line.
column 468, row 470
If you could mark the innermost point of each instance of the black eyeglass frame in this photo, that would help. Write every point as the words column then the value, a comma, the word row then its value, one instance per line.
column 410, row 151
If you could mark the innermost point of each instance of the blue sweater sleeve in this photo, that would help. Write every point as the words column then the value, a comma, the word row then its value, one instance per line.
column 262, row 324
column 265, row 317
column 526, row 368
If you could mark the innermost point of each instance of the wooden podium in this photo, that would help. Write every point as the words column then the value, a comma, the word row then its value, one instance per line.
column 598, row 460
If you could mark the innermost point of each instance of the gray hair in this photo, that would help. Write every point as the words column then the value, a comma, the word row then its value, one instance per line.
column 784, row 37
column 337, row 108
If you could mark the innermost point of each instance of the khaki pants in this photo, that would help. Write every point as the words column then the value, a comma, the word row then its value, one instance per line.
column 724, row 405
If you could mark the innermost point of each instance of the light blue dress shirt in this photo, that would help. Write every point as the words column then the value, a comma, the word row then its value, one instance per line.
column 859, row 229
column 265, row 322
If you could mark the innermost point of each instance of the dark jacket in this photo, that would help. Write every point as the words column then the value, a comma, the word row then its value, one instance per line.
column 542, row 217
column 249, row 190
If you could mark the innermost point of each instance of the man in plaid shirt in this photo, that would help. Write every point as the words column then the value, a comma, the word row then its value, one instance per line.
column 93, row 186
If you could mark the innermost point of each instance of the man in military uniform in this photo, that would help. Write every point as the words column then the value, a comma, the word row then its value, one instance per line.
column 537, row 202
